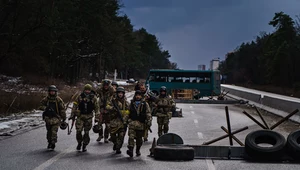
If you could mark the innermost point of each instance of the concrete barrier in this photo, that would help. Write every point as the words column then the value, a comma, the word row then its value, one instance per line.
column 274, row 103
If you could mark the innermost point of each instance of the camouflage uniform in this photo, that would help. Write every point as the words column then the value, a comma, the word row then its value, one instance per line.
column 117, row 125
column 138, row 119
column 164, row 104
column 83, row 109
column 54, row 113
column 105, row 96
column 150, row 100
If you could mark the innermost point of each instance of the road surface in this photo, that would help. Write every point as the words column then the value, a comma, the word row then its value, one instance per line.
column 201, row 122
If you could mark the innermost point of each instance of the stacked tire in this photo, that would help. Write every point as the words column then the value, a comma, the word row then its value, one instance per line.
column 293, row 145
column 280, row 147
column 257, row 152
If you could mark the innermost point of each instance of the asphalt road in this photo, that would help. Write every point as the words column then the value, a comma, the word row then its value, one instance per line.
column 201, row 122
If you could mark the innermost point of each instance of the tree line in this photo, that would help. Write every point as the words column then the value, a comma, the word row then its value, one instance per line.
column 71, row 39
column 270, row 59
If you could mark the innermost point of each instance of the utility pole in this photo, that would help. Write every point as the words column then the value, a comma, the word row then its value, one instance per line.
column 115, row 75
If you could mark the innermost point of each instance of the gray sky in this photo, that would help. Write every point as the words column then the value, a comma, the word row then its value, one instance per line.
column 197, row 31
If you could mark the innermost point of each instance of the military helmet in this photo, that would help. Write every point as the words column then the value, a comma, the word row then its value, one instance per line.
column 120, row 89
column 138, row 92
column 105, row 82
column 96, row 129
column 52, row 88
column 88, row 87
column 63, row 125
column 114, row 83
column 163, row 88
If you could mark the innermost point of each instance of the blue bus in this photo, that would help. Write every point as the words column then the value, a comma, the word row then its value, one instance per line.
column 204, row 83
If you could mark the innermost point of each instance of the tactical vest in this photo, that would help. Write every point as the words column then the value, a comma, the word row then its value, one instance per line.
column 164, row 101
column 86, row 105
column 51, row 109
column 133, row 112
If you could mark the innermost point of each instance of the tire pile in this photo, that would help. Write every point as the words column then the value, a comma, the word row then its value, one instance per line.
column 281, row 149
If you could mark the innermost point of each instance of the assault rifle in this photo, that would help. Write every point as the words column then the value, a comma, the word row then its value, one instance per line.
column 73, row 118
column 118, row 110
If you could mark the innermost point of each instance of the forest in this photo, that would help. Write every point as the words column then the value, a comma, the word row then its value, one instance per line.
column 272, row 59
column 74, row 39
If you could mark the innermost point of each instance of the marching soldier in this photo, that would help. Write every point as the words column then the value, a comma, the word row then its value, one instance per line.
column 83, row 109
column 54, row 115
column 164, row 105
column 119, row 110
column 105, row 93
column 115, row 86
column 138, row 119
column 150, row 100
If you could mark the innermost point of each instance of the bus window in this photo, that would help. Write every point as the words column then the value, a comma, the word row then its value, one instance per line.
column 207, row 80
column 201, row 80
column 152, row 78
column 171, row 79
column 163, row 79
column 186, row 79
column 193, row 79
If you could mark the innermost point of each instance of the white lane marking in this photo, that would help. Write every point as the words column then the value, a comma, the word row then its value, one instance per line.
column 210, row 164
column 195, row 121
column 54, row 159
column 192, row 112
column 191, row 107
column 200, row 135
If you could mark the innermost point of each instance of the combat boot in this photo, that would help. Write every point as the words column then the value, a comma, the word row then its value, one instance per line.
column 105, row 140
column 114, row 147
column 84, row 148
column 49, row 146
column 99, row 138
column 138, row 153
column 130, row 151
column 78, row 146
column 118, row 151
column 53, row 146
column 145, row 139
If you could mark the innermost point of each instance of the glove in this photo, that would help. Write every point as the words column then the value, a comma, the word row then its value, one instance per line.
column 149, row 124
column 108, row 107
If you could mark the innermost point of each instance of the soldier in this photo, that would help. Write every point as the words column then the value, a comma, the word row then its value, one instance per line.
column 115, row 86
column 150, row 100
column 105, row 93
column 119, row 108
column 83, row 109
column 54, row 114
column 137, row 86
column 138, row 119
column 164, row 105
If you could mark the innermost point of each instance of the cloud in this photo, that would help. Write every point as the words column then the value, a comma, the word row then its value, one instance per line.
column 195, row 32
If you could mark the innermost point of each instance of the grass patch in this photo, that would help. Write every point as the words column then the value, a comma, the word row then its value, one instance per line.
column 28, row 101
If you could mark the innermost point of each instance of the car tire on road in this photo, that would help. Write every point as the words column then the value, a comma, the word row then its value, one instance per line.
column 293, row 144
column 174, row 152
column 254, row 151
column 169, row 138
